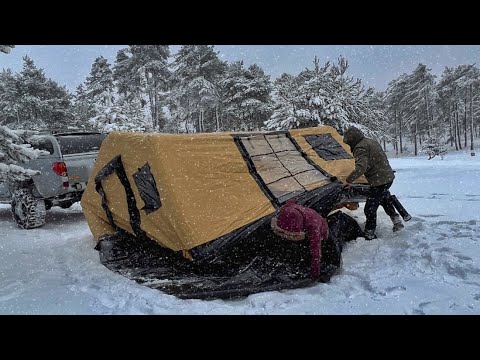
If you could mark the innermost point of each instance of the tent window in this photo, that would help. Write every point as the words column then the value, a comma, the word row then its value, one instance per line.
column 281, row 167
column 148, row 189
column 327, row 147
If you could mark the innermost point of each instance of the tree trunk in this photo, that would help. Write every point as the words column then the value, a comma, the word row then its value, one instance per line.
column 428, row 118
column 151, row 100
column 457, row 130
column 189, row 117
column 472, row 148
column 400, row 134
column 415, row 136
column 455, row 126
column 217, row 118
column 465, row 121
column 160, row 119
column 395, row 144
column 451, row 125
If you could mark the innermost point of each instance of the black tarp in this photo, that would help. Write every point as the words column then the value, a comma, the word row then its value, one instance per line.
column 261, row 262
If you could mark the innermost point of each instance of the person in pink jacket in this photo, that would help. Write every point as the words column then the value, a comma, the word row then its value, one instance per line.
column 296, row 222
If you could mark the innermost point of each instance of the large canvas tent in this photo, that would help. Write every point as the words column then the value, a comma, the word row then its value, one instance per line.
column 202, row 196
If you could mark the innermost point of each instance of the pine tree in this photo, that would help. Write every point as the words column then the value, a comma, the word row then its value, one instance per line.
column 6, row 48
column 247, row 97
column 195, row 98
column 99, row 84
column 115, row 118
column 9, row 107
column 83, row 108
column 324, row 95
column 433, row 146
column 13, row 151
column 142, row 72
column 40, row 102
column 285, row 97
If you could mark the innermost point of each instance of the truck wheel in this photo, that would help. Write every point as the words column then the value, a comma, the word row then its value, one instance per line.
column 28, row 212
column 48, row 205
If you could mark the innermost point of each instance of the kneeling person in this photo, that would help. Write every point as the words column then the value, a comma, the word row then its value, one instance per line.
column 296, row 222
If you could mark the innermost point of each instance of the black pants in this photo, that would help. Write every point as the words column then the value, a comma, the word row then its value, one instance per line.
column 378, row 195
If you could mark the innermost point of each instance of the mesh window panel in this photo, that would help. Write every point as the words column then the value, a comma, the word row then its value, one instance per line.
column 147, row 189
column 269, row 168
column 294, row 162
column 280, row 143
column 311, row 179
column 327, row 147
column 282, row 168
column 285, row 186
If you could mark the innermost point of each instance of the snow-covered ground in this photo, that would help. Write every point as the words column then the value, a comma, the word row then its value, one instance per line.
column 430, row 267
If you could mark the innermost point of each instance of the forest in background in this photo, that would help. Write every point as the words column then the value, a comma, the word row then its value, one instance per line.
column 149, row 89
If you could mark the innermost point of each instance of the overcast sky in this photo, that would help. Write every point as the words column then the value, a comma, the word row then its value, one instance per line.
column 376, row 65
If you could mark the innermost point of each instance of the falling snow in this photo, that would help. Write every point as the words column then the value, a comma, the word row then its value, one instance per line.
column 432, row 266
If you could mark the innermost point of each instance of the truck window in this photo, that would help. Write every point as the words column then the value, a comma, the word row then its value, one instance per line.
column 76, row 144
column 41, row 144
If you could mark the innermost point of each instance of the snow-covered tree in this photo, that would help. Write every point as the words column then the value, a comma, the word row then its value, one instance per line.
column 453, row 95
column 433, row 147
column 115, row 118
column 99, row 84
column 285, row 98
column 6, row 48
column 14, row 151
column 195, row 98
column 396, row 110
column 83, row 107
column 142, row 72
column 9, row 107
column 247, row 100
column 36, row 101
column 324, row 95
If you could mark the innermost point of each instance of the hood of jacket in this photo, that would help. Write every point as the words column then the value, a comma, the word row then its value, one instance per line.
column 352, row 136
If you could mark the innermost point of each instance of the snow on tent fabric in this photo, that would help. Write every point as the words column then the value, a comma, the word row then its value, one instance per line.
column 203, row 197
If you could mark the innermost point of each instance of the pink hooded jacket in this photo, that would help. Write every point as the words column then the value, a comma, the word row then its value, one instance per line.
column 294, row 222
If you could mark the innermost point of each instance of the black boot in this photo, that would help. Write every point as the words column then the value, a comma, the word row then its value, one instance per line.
column 401, row 210
column 397, row 223
column 370, row 234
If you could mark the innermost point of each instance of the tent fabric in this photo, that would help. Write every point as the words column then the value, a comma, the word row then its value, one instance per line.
column 185, row 191
column 340, row 168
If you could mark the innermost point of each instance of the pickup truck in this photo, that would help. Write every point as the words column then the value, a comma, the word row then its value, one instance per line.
column 64, row 175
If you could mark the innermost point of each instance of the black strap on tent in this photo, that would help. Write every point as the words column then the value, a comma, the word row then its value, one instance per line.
column 116, row 165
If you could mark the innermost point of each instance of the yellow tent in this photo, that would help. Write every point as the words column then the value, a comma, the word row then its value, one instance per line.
column 189, row 191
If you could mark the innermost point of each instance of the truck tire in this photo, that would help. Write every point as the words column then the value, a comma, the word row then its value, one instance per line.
column 28, row 212
column 48, row 205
